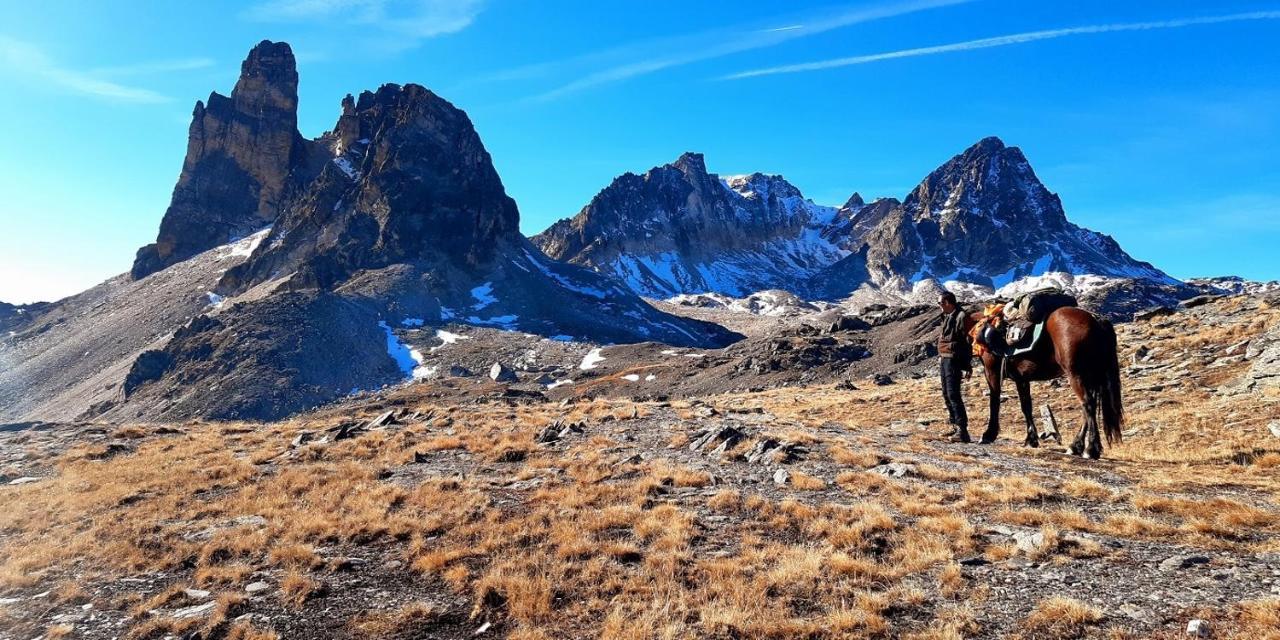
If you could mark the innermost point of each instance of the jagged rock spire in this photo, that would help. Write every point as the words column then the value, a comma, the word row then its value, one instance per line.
column 408, row 180
column 242, row 154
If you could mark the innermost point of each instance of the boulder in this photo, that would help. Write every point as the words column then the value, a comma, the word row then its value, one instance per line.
column 1176, row 563
column 1198, row 628
column 781, row 476
column 1154, row 312
column 1029, row 541
column 848, row 323
column 1198, row 301
column 895, row 469
column 502, row 373
column 197, row 611
column 149, row 366
column 722, row 439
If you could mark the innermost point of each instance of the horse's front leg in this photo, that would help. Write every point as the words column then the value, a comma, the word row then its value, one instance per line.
column 992, row 371
column 1024, row 398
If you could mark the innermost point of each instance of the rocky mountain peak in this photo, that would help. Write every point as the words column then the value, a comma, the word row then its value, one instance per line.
column 408, row 180
column 990, row 181
column 759, row 186
column 981, row 218
column 244, row 158
column 268, row 80
column 691, row 164
column 680, row 229
column 854, row 203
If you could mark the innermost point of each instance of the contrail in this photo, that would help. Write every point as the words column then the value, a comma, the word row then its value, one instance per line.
column 1000, row 41
column 675, row 52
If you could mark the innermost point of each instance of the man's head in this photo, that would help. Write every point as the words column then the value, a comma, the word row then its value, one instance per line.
column 947, row 301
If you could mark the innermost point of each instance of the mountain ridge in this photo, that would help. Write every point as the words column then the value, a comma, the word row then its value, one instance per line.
column 288, row 272
column 981, row 221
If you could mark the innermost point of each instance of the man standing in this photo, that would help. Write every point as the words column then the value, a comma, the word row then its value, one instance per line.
column 955, row 355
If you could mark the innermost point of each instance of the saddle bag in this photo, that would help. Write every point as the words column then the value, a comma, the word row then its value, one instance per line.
column 1034, row 307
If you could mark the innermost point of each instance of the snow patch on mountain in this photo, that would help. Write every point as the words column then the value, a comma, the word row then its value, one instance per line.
column 592, row 359
column 408, row 359
column 483, row 295
column 244, row 247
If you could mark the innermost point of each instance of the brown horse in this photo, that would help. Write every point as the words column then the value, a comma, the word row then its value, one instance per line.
column 1075, row 344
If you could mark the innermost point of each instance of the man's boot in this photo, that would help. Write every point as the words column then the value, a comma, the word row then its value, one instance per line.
column 961, row 435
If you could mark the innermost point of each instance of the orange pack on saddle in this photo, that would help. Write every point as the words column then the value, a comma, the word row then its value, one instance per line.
column 992, row 319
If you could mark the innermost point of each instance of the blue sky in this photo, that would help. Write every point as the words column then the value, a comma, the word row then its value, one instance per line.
column 1156, row 121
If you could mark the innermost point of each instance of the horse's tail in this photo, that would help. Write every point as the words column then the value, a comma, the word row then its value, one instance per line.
column 1110, row 400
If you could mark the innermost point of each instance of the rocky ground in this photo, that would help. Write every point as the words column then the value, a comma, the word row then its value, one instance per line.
column 770, row 506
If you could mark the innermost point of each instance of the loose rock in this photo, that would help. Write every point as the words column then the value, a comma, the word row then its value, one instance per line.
column 895, row 469
column 502, row 373
column 1198, row 628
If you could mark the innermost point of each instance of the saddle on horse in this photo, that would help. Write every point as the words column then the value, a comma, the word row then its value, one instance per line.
column 1014, row 327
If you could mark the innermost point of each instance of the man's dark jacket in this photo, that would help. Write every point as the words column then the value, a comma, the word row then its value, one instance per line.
column 953, row 342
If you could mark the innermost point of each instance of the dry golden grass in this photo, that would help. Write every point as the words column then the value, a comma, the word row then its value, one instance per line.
column 805, row 482
column 592, row 548
column 1061, row 618
column 1256, row 619
column 403, row 621
column 864, row 458
column 246, row 631
column 57, row 632
column 296, row 588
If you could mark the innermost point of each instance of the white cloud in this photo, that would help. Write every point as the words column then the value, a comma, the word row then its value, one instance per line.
column 656, row 55
column 24, row 58
column 159, row 66
column 1001, row 41
column 415, row 19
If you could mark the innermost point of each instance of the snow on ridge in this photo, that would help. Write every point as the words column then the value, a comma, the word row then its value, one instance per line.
column 483, row 296
column 244, row 247
column 346, row 167
column 592, row 359
column 562, row 280
column 507, row 322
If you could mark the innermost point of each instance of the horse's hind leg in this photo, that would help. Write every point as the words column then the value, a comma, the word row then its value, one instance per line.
column 1093, row 446
column 1024, row 398
column 1077, row 445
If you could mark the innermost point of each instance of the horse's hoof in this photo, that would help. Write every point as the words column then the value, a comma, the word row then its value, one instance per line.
column 1034, row 444
column 1094, row 455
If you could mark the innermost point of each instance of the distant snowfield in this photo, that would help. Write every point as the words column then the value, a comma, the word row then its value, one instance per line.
column 923, row 291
